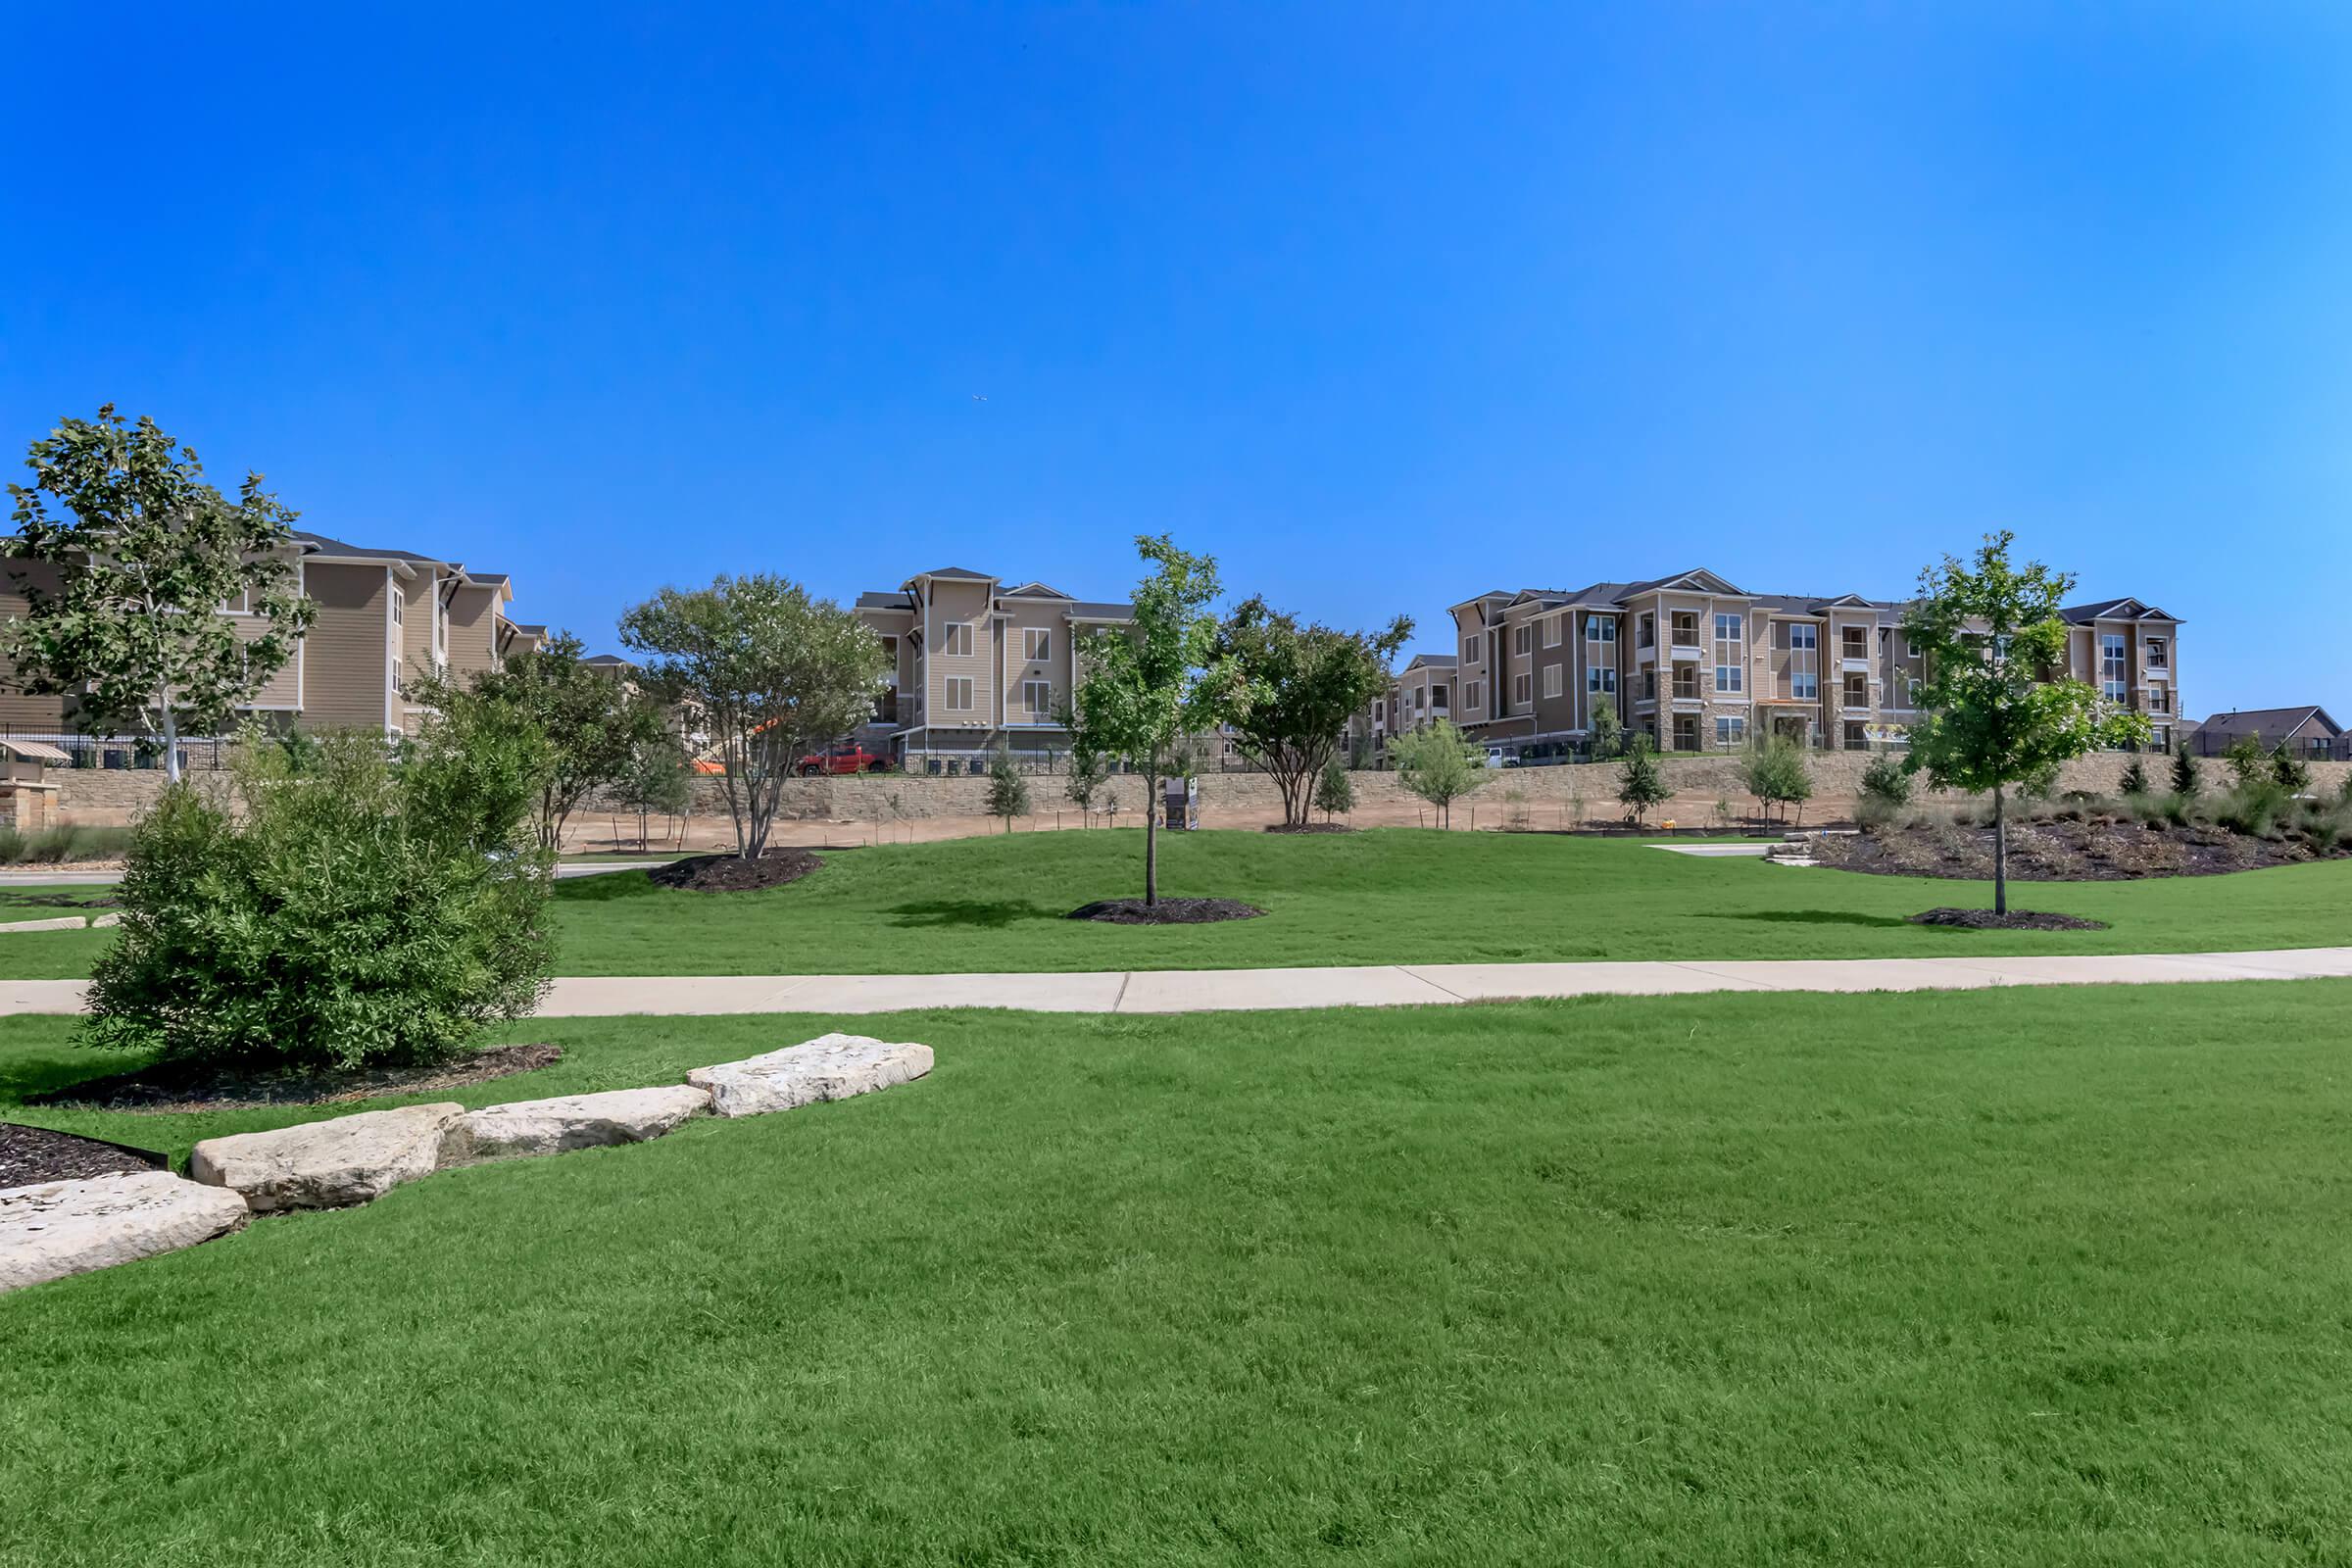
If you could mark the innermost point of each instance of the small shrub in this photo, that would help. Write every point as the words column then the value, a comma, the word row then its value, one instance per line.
column 1874, row 813
column 1335, row 791
column 2256, row 808
column 1007, row 793
column 1885, row 782
column 2324, row 827
column 2187, row 776
column 2248, row 760
column 2289, row 771
column 2134, row 781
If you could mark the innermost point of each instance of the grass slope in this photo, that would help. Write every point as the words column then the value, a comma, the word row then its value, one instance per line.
column 2054, row 1276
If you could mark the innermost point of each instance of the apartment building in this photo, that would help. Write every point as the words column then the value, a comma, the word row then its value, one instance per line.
column 1421, row 692
column 382, row 617
column 1699, row 663
column 977, row 663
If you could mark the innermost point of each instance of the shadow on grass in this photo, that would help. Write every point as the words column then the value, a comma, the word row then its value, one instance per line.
column 608, row 886
column 1811, row 918
column 986, row 913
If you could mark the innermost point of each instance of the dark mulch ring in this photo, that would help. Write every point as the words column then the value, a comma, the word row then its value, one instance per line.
column 1167, row 912
column 1311, row 827
column 184, row 1087
column 728, row 873
column 2014, row 921
column 32, row 1154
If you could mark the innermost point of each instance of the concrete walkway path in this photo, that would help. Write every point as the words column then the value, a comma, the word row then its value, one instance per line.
column 1373, row 985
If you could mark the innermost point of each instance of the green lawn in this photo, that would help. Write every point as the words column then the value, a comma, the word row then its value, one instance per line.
column 2047, row 1276
column 1390, row 896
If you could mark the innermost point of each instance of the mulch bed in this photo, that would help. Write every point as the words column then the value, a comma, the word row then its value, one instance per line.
column 2014, row 921
column 32, row 1154
column 1167, row 912
column 1311, row 827
column 2094, row 848
column 728, row 874
column 177, row 1087
column 66, row 901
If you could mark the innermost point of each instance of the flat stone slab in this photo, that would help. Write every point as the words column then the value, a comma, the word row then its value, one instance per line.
column 831, row 1066
column 327, row 1165
column 69, row 922
column 54, row 1229
column 555, row 1126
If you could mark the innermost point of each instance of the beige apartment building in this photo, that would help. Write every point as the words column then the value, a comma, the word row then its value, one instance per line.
column 382, row 617
column 1698, row 663
column 1422, row 692
column 976, row 663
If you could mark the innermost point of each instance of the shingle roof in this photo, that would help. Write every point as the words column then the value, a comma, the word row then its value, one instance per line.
column 886, row 601
column 2111, row 609
column 2276, row 724
column 1092, row 610
column 321, row 544
column 956, row 571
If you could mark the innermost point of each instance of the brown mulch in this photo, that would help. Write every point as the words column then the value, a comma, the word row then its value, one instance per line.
column 33, row 1155
column 1309, row 827
column 1167, row 912
column 183, row 1086
column 2014, row 921
column 2094, row 848
column 728, row 873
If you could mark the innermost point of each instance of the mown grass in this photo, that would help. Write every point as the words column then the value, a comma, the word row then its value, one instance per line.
column 1387, row 896
column 2047, row 1276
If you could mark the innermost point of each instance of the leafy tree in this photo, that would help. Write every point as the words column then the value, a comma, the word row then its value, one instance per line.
column 1335, row 791
column 596, row 725
column 656, row 781
column 1087, row 771
column 768, row 671
column 1007, row 793
column 1776, row 775
column 1989, row 633
column 2291, row 773
column 1607, row 730
column 1436, row 763
column 144, row 553
column 2135, row 778
column 1142, row 693
column 1885, row 782
column 1300, row 686
column 2248, row 759
column 1641, row 782
column 2187, row 775
column 363, row 904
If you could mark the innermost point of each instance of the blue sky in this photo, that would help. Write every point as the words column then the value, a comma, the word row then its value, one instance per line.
column 1382, row 304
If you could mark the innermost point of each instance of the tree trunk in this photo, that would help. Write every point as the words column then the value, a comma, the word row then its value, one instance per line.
column 2000, row 852
column 1152, row 811
column 170, row 729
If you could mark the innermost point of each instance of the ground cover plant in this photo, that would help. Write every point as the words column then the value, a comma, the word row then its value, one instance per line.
column 1378, row 896
column 2047, row 1276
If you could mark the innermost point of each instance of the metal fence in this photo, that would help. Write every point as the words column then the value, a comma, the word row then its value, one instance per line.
column 2309, row 749
column 124, row 751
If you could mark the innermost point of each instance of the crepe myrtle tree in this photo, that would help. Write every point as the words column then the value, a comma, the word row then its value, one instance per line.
column 1144, row 692
column 1995, row 713
column 144, row 556
column 1438, row 764
column 766, row 671
column 1303, row 684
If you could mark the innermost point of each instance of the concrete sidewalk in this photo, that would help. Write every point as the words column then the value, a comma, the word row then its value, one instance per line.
column 1373, row 985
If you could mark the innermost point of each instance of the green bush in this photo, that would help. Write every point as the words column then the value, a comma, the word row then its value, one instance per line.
column 1884, row 781
column 2255, row 808
column 66, row 843
column 366, row 905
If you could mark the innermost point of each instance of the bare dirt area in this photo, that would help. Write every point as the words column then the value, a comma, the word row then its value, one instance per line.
column 2094, row 848
column 728, row 873
column 179, row 1087
column 33, row 1155
column 1167, row 912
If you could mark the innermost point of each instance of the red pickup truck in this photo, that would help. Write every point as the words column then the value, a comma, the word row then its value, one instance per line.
column 851, row 758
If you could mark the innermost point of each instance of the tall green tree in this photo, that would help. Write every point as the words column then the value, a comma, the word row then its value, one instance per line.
column 1436, row 763
column 145, row 556
column 1142, row 693
column 596, row 724
column 1994, row 711
column 764, row 671
column 1007, row 793
column 1300, row 684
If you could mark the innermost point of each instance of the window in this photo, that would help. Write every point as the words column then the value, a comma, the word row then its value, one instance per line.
column 1804, row 685
column 1037, row 696
column 1854, row 642
column 2114, row 681
column 2158, row 700
column 1857, row 688
column 1730, row 653
column 1649, row 684
column 242, row 604
column 1685, row 628
column 399, row 614
column 2157, row 652
column 1554, row 682
column 1804, row 637
column 959, row 642
column 1602, row 628
column 1470, row 650
column 1731, row 732
column 1910, row 649
column 1551, row 630
column 1911, row 691
column 1470, row 697
column 1035, row 643
column 1522, row 688
column 1649, row 630
column 1436, row 696
column 1523, row 640
column 1600, row 678
column 1856, row 738
column 959, row 692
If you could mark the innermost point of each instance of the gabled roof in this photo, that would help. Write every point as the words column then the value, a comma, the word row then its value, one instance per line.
column 2273, row 723
column 1033, row 590
column 613, row 661
column 886, row 601
column 318, row 543
column 1095, row 610
column 1431, row 661
column 964, row 572
column 1698, row 579
column 2111, row 609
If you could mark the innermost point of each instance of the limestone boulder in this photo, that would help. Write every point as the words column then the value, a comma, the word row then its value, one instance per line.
column 831, row 1066
column 571, row 1121
column 53, row 1229
column 327, row 1165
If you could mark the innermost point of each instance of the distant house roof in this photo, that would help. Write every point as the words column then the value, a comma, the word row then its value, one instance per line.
column 2271, row 723
column 956, row 571
column 608, row 661
column 1431, row 661
column 1097, row 610
column 1034, row 590
column 2111, row 609
column 886, row 601
column 320, row 544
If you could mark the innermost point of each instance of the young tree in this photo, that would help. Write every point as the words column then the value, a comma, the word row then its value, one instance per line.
column 596, row 725
column 2247, row 758
column 1007, row 793
column 1300, row 685
column 1776, row 775
column 1143, row 693
column 2135, row 780
column 1987, row 634
column 1607, row 731
column 2187, row 775
column 655, row 782
column 1335, row 791
column 1641, row 782
column 768, row 671
column 144, row 555
column 1439, row 765
column 1885, row 782
column 2289, row 771
column 1086, row 775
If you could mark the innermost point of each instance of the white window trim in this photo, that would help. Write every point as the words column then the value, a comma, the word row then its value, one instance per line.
column 1555, row 679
